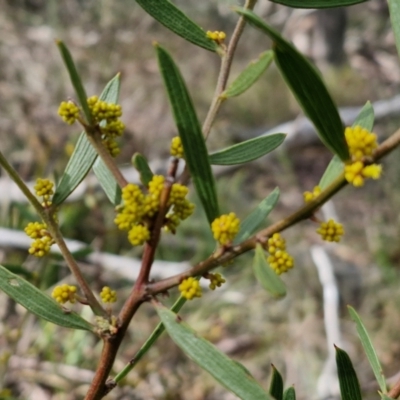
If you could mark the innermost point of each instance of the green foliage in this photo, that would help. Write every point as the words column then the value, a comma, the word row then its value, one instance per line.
column 276, row 385
column 348, row 381
column 38, row 303
column 289, row 394
column 318, row 3
column 141, row 165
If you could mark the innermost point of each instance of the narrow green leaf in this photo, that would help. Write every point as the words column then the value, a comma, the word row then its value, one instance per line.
column 333, row 170
column 318, row 3
column 307, row 86
column 369, row 349
column 366, row 117
column 254, row 220
column 141, row 165
column 190, row 133
column 348, row 381
column 276, row 385
column 384, row 397
column 271, row 282
column 208, row 357
column 75, row 79
column 39, row 303
column 107, row 181
column 84, row 155
column 175, row 20
column 394, row 10
column 249, row 75
column 247, row 151
column 289, row 394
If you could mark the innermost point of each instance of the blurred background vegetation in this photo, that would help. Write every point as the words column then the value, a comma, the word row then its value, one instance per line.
column 359, row 62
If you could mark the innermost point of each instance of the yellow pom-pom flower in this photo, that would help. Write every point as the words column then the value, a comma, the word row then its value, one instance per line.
column 280, row 261
column 152, row 200
column 225, row 228
column 331, row 231
column 68, row 111
column 64, row 293
column 107, row 295
column 217, row 36
column 133, row 209
column 44, row 188
column 361, row 142
column 112, row 146
column 190, row 288
column 275, row 242
column 113, row 128
column 177, row 194
column 310, row 196
column 138, row 235
column 41, row 247
column 176, row 149
column 36, row 230
column 356, row 172
column 216, row 280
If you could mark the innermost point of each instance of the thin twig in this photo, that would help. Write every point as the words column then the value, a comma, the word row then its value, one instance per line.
column 394, row 392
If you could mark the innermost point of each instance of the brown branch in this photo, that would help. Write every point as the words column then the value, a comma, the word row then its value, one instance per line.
column 394, row 392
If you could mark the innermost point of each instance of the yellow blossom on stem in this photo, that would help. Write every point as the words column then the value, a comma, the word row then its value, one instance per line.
column 112, row 146
column 36, row 230
column 190, row 288
column 217, row 36
column 225, row 228
column 216, row 280
column 138, row 235
column 176, row 149
column 280, row 261
column 64, row 293
column 41, row 247
column 356, row 172
column 275, row 242
column 68, row 111
column 152, row 200
column 361, row 142
column 331, row 231
column 107, row 295
column 310, row 196
column 44, row 188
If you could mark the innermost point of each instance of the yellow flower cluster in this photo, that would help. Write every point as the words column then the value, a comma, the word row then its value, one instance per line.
column 225, row 228
column 107, row 295
column 190, row 288
column 217, row 36
column 362, row 143
column 138, row 208
column 216, row 280
column 44, row 188
column 68, row 111
column 64, row 293
column 279, row 260
column 331, row 231
column 42, row 239
column 176, row 149
column 112, row 146
column 310, row 196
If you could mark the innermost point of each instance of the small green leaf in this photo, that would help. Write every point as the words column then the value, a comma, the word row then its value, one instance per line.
column 84, row 155
column 307, row 86
column 208, row 357
column 247, row 151
column 75, row 79
column 289, row 394
column 318, row 3
column 190, row 133
column 394, row 10
column 249, row 75
column 276, row 385
column 271, row 282
column 333, row 170
column 254, row 220
column 39, row 303
column 366, row 117
column 348, row 381
column 175, row 20
column 369, row 349
column 107, row 181
column 384, row 397
column 141, row 165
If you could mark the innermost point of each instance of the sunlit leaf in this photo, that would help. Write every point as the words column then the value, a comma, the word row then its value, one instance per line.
column 247, row 151
column 276, row 385
column 84, row 155
column 333, row 170
column 249, row 75
column 366, row 117
column 268, row 278
column 190, row 133
column 307, row 86
column 38, row 303
column 318, row 3
column 141, row 165
column 348, row 381
column 174, row 19
column 107, row 181
column 369, row 349
column 208, row 357
column 257, row 217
